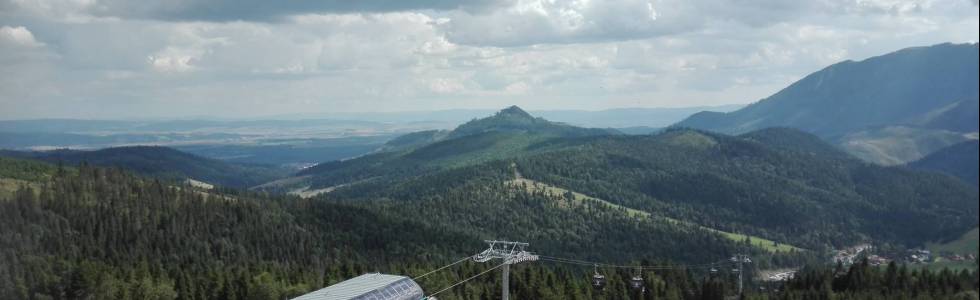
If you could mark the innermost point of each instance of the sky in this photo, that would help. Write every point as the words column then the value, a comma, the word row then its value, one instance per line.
column 118, row 59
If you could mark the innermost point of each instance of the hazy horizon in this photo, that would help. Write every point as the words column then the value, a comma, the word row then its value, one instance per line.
column 361, row 115
column 117, row 60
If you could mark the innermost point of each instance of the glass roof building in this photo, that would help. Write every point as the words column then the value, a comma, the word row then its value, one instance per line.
column 369, row 287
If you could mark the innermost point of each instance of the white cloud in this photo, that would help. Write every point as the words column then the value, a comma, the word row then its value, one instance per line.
column 171, row 62
column 18, row 36
column 546, row 21
column 446, row 85
column 538, row 53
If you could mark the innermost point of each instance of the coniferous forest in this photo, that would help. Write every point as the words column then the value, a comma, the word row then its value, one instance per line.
column 103, row 233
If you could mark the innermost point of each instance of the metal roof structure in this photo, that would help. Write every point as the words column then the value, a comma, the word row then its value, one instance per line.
column 372, row 286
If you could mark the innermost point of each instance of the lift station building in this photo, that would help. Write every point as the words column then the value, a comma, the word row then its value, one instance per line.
column 372, row 286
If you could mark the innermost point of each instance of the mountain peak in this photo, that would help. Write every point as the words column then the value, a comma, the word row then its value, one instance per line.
column 515, row 119
column 515, row 111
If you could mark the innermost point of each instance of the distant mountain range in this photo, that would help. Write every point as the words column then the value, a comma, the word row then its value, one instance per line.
column 608, row 118
column 300, row 140
column 337, row 122
column 889, row 109
column 162, row 162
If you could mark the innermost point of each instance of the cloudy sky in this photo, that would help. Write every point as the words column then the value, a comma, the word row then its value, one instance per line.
column 240, row 58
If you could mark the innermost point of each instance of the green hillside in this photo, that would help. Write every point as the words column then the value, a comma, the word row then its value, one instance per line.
column 794, row 140
column 575, row 199
column 777, row 185
column 17, row 173
column 508, row 133
column 414, row 139
column 740, row 185
column 965, row 244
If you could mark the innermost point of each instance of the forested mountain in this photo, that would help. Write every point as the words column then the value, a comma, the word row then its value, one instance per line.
column 508, row 133
column 960, row 160
column 887, row 109
column 780, row 184
column 163, row 162
column 794, row 140
column 414, row 139
column 514, row 119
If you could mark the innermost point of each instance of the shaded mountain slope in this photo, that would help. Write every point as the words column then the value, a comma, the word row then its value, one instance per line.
column 931, row 90
column 914, row 86
column 960, row 160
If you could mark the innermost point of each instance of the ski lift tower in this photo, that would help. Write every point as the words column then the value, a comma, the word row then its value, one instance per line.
column 510, row 253
column 740, row 259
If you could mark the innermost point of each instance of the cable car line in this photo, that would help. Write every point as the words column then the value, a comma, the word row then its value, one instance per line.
column 443, row 267
column 664, row 267
column 607, row 265
column 514, row 252
column 464, row 281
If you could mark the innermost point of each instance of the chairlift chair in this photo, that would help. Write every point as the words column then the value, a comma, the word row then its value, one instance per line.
column 637, row 281
column 598, row 280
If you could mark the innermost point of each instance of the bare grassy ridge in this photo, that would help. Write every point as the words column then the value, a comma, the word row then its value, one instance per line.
column 580, row 199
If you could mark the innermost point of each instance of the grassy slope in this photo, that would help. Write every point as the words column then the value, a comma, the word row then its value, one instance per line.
column 897, row 144
column 579, row 198
column 9, row 186
column 968, row 243
column 16, row 172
